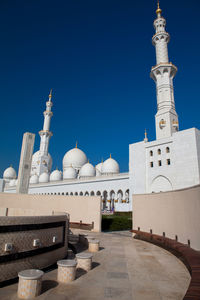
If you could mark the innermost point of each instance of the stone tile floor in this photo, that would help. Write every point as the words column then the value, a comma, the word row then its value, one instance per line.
column 123, row 269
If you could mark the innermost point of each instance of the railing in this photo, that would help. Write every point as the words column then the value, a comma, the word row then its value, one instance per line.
column 189, row 256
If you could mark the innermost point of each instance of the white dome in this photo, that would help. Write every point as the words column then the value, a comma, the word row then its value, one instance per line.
column 87, row 171
column 69, row 173
column 9, row 173
column 34, row 179
column 44, row 177
column 75, row 158
column 110, row 166
column 12, row 182
column 56, row 175
column 35, row 159
column 99, row 167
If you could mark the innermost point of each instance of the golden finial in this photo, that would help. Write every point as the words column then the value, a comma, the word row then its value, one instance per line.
column 110, row 155
column 50, row 95
column 159, row 10
column 145, row 136
column 102, row 160
column 88, row 161
column 76, row 144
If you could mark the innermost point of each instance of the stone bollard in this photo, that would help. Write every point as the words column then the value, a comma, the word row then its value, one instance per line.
column 30, row 283
column 66, row 270
column 84, row 261
column 93, row 246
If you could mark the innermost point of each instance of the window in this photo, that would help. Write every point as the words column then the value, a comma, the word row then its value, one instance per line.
column 167, row 150
column 168, row 162
column 159, row 151
column 151, row 164
column 151, row 153
column 159, row 163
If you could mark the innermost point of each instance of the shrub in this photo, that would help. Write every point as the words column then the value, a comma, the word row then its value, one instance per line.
column 115, row 223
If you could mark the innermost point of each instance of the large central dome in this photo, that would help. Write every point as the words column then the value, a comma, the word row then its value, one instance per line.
column 75, row 158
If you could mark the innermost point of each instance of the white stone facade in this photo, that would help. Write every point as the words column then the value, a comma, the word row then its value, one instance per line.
column 170, row 164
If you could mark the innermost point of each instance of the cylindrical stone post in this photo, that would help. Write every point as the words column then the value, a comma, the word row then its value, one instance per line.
column 84, row 261
column 66, row 270
column 30, row 283
column 93, row 246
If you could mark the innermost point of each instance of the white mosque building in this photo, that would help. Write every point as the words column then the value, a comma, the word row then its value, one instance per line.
column 170, row 162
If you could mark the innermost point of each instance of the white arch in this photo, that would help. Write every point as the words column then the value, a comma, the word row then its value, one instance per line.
column 161, row 184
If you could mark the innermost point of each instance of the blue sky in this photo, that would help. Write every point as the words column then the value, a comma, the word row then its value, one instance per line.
column 96, row 56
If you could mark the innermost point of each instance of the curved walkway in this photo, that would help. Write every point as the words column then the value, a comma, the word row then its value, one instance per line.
column 123, row 269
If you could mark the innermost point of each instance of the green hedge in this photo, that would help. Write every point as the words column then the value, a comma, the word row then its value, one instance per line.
column 115, row 222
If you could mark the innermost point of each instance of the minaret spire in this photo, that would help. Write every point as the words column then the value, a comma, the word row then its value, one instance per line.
column 45, row 136
column 159, row 10
column 163, row 74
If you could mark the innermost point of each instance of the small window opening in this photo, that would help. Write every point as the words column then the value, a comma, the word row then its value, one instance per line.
column 167, row 150
column 151, row 164
column 151, row 153
column 159, row 163
column 159, row 151
column 168, row 162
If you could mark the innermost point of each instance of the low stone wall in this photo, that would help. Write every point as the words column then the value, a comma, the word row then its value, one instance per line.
column 174, row 214
column 80, row 208
column 31, row 242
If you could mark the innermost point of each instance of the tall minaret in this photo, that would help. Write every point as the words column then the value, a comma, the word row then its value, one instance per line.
column 45, row 136
column 163, row 74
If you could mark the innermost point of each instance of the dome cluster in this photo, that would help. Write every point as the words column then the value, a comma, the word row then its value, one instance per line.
column 75, row 166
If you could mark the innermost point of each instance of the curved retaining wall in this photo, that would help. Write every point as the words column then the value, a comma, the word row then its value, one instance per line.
column 31, row 242
column 174, row 214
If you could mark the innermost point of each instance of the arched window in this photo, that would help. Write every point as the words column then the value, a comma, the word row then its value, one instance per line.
column 98, row 193
column 71, row 194
column 92, row 193
column 81, row 193
column 151, row 153
column 76, row 194
column 86, row 194
column 159, row 151
column 167, row 150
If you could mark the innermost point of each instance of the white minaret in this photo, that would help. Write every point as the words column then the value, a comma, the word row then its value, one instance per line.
column 163, row 74
column 45, row 135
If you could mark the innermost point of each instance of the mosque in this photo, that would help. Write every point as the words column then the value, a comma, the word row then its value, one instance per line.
column 170, row 162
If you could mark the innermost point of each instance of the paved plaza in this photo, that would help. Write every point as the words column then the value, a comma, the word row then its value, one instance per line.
column 124, row 269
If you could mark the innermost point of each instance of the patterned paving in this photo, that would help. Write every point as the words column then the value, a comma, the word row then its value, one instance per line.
column 124, row 269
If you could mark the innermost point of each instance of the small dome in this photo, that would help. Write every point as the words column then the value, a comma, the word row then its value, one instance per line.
column 12, row 182
column 9, row 173
column 44, row 177
column 69, row 173
column 98, row 173
column 56, row 175
column 110, row 166
column 34, row 179
column 75, row 158
column 87, row 171
column 99, row 167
